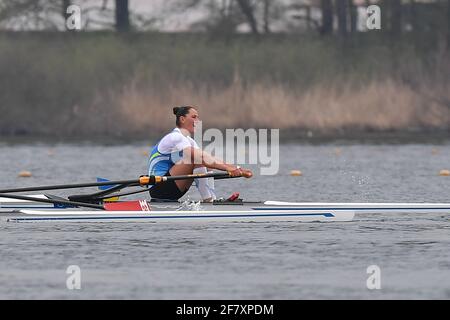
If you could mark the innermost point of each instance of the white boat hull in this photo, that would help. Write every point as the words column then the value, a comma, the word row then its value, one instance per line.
column 250, row 215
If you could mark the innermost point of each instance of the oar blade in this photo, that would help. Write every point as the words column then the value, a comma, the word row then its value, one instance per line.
column 99, row 179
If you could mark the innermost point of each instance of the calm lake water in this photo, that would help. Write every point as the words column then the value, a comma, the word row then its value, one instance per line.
column 238, row 260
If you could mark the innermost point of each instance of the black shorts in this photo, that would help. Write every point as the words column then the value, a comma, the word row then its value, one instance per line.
column 166, row 191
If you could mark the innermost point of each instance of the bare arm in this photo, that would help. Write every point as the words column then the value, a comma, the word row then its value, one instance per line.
column 200, row 157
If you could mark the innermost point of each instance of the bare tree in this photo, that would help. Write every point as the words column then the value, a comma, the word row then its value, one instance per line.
column 341, row 10
column 46, row 14
column 266, row 16
column 122, row 16
column 327, row 17
column 448, row 24
column 353, row 16
column 248, row 11
column 30, row 15
column 65, row 5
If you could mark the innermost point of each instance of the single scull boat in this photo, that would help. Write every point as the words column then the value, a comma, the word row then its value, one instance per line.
column 7, row 204
column 96, row 207
column 246, row 215
column 173, row 211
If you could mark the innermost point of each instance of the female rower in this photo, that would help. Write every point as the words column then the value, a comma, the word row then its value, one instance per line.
column 178, row 154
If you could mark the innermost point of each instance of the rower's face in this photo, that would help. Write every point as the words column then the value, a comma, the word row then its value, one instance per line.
column 188, row 122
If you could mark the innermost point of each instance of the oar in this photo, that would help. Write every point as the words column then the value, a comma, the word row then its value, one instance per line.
column 143, row 181
column 136, row 205
column 100, row 197
column 58, row 201
column 106, row 194
column 97, row 195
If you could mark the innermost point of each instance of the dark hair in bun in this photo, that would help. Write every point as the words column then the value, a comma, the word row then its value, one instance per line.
column 181, row 112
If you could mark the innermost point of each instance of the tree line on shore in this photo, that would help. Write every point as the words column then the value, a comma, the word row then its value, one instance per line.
column 258, row 17
column 283, row 63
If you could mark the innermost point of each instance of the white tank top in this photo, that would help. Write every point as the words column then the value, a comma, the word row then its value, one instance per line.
column 168, row 151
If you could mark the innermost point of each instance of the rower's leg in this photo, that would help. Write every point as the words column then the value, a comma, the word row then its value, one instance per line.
column 205, row 185
column 182, row 169
column 188, row 165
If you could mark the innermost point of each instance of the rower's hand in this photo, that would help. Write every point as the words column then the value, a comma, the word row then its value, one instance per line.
column 241, row 172
column 247, row 173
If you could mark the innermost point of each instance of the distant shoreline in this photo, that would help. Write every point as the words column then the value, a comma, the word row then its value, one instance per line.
column 287, row 136
column 96, row 85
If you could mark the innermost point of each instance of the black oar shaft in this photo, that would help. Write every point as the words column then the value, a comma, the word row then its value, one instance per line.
column 143, row 180
column 71, row 186
column 59, row 201
column 216, row 175
column 97, row 196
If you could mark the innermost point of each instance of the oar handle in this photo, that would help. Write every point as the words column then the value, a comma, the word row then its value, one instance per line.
column 216, row 175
